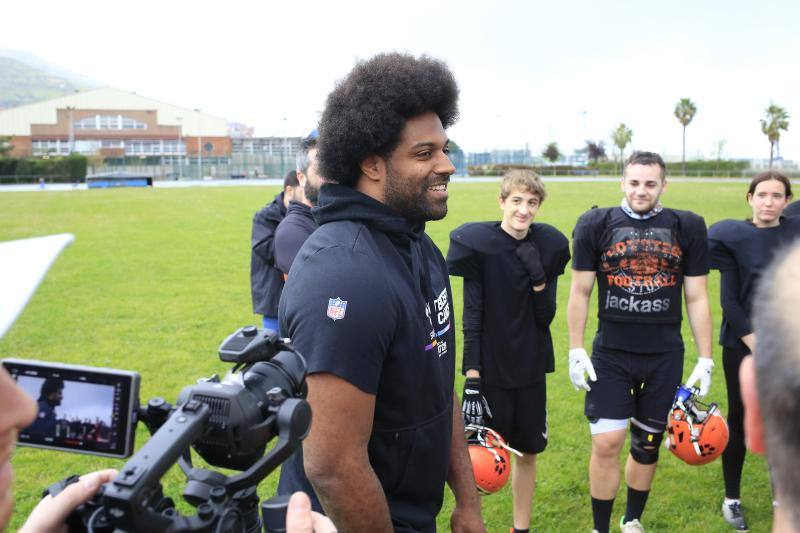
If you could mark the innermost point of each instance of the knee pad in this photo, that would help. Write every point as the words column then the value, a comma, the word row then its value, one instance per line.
column 645, row 443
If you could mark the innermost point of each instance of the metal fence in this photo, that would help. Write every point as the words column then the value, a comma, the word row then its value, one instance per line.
column 236, row 166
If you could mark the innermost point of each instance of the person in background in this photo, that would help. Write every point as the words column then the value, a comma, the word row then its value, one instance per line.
column 741, row 250
column 510, row 270
column 645, row 258
column 266, row 282
column 299, row 223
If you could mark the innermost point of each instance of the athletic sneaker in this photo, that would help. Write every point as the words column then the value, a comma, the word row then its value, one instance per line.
column 732, row 513
column 634, row 526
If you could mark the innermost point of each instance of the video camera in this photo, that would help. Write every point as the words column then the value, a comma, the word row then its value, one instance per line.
column 228, row 422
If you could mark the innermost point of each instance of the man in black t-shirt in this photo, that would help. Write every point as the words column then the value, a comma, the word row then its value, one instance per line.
column 368, row 303
column 510, row 270
column 298, row 224
column 645, row 258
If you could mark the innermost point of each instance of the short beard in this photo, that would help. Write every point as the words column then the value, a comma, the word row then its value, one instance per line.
column 412, row 205
column 311, row 192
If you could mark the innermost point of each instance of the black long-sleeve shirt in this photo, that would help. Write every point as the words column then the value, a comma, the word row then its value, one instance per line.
column 505, row 323
column 291, row 233
column 741, row 251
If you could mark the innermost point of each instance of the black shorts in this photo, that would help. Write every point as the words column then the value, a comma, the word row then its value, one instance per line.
column 632, row 385
column 519, row 416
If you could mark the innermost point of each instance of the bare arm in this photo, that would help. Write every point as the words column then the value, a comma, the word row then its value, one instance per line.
column 578, row 305
column 699, row 313
column 336, row 459
column 467, row 513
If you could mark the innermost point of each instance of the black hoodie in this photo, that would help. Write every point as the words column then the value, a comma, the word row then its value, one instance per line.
column 369, row 301
column 266, row 282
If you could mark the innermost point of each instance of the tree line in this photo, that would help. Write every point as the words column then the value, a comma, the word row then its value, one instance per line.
column 775, row 120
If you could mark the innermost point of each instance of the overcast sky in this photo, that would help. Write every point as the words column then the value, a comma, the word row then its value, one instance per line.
column 528, row 70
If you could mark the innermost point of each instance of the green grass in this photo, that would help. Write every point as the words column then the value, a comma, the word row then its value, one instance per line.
column 157, row 278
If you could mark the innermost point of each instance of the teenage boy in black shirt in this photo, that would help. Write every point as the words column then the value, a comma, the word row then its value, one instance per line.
column 643, row 256
column 368, row 303
column 510, row 269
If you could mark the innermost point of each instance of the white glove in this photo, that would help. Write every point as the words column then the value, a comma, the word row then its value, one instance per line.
column 702, row 373
column 579, row 363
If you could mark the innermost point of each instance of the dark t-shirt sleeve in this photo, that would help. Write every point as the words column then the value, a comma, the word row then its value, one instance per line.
column 584, row 243
column 289, row 238
column 696, row 250
column 731, row 306
column 353, row 346
column 472, row 324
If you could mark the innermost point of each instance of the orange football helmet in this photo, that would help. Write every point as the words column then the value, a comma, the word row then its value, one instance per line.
column 696, row 433
column 489, row 454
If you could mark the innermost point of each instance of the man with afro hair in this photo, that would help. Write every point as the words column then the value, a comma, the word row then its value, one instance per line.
column 369, row 306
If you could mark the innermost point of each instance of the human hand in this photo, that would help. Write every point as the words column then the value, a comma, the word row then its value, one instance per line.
column 51, row 513
column 529, row 255
column 473, row 403
column 750, row 341
column 301, row 519
column 579, row 363
column 701, row 373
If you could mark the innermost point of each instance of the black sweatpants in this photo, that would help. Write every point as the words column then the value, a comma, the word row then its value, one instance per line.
column 733, row 456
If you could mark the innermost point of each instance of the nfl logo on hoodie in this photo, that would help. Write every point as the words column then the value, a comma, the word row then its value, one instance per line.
column 336, row 308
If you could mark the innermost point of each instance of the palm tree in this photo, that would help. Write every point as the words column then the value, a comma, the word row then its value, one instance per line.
column 622, row 136
column 775, row 119
column 684, row 112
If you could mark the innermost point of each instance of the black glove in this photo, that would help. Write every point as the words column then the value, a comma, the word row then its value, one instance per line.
column 473, row 404
column 529, row 255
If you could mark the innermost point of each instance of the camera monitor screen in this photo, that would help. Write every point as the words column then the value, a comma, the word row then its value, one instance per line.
column 80, row 408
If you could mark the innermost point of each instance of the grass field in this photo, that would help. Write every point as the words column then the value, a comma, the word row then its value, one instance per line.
column 157, row 278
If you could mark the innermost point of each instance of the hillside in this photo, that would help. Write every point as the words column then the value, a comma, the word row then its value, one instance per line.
column 23, row 84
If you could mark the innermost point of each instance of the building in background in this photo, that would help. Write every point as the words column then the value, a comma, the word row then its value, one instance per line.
column 120, row 127
column 518, row 156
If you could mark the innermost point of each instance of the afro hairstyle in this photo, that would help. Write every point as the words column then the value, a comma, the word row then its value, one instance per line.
column 366, row 113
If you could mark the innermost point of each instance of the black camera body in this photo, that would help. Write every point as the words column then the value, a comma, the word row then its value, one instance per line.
column 229, row 423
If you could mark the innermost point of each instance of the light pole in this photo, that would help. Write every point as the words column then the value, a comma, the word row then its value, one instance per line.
column 180, row 142
column 70, row 109
column 199, row 149
column 283, row 149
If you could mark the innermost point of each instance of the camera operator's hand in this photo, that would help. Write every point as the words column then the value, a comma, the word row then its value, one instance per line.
column 301, row 519
column 51, row 513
